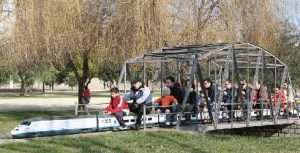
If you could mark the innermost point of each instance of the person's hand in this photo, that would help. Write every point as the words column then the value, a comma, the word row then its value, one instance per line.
column 168, row 111
column 106, row 112
column 130, row 101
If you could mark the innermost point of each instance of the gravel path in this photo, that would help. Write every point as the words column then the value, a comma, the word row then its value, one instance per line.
column 26, row 104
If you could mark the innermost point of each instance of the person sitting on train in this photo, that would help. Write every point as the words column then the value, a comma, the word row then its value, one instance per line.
column 229, row 96
column 260, row 97
column 244, row 97
column 138, row 97
column 176, row 89
column 209, row 91
column 279, row 100
column 118, row 106
column 166, row 102
column 192, row 103
column 290, row 97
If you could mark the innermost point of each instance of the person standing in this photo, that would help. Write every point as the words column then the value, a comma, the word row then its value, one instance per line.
column 86, row 97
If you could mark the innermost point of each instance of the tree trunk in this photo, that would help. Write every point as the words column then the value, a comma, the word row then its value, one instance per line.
column 22, row 89
column 52, row 85
column 80, row 91
column 44, row 91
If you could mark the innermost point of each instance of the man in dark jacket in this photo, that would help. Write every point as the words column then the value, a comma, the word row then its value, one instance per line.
column 175, row 88
column 244, row 97
column 229, row 96
column 210, row 92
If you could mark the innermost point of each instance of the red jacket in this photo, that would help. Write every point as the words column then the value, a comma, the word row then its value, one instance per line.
column 279, row 97
column 86, row 93
column 116, row 104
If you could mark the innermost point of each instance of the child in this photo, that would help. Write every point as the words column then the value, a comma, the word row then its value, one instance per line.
column 166, row 101
column 117, row 106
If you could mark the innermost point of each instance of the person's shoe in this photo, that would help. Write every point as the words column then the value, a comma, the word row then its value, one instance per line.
column 123, row 128
column 137, row 127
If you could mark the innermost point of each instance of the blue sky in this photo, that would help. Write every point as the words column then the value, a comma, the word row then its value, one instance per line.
column 290, row 9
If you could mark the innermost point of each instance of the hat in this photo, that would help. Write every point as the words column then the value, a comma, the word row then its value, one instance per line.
column 166, row 91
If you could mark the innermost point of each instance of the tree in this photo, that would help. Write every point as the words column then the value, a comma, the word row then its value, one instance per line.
column 73, row 37
column 23, row 48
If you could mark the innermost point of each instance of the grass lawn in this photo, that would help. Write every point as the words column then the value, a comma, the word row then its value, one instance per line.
column 139, row 142
column 154, row 142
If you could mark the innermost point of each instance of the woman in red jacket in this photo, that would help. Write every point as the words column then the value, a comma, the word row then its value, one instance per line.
column 279, row 99
column 117, row 106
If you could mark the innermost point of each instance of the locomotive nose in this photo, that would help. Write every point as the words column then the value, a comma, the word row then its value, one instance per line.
column 16, row 131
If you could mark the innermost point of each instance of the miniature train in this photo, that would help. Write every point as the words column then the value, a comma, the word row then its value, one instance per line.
column 95, row 123
column 92, row 123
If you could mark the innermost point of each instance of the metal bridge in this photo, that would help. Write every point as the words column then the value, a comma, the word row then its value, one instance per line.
column 221, row 62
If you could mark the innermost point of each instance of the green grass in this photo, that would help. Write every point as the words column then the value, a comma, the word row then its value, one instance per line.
column 154, row 142
column 140, row 142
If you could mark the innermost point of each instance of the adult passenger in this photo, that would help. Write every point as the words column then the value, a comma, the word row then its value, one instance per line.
column 244, row 97
column 175, row 88
column 210, row 92
column 260, row 97
column 138, row 96
column 229, row 95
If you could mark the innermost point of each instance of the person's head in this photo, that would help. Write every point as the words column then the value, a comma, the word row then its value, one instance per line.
column 169, row 82
column 228, row 84
column 193, row 87
column 86, row 87
column 166, row 91
column 207, row 83
column 136, row 84
column 276, row 90
column 244, row 84
column 285, row 84
column 257, row 85
column 114, row 92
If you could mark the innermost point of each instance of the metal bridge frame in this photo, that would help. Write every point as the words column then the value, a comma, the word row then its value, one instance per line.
column 234, row 56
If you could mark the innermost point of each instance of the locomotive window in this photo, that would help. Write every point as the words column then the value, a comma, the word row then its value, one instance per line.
column 150, row 119
column 132, row 120
column 26, row 123
column 126, row 121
